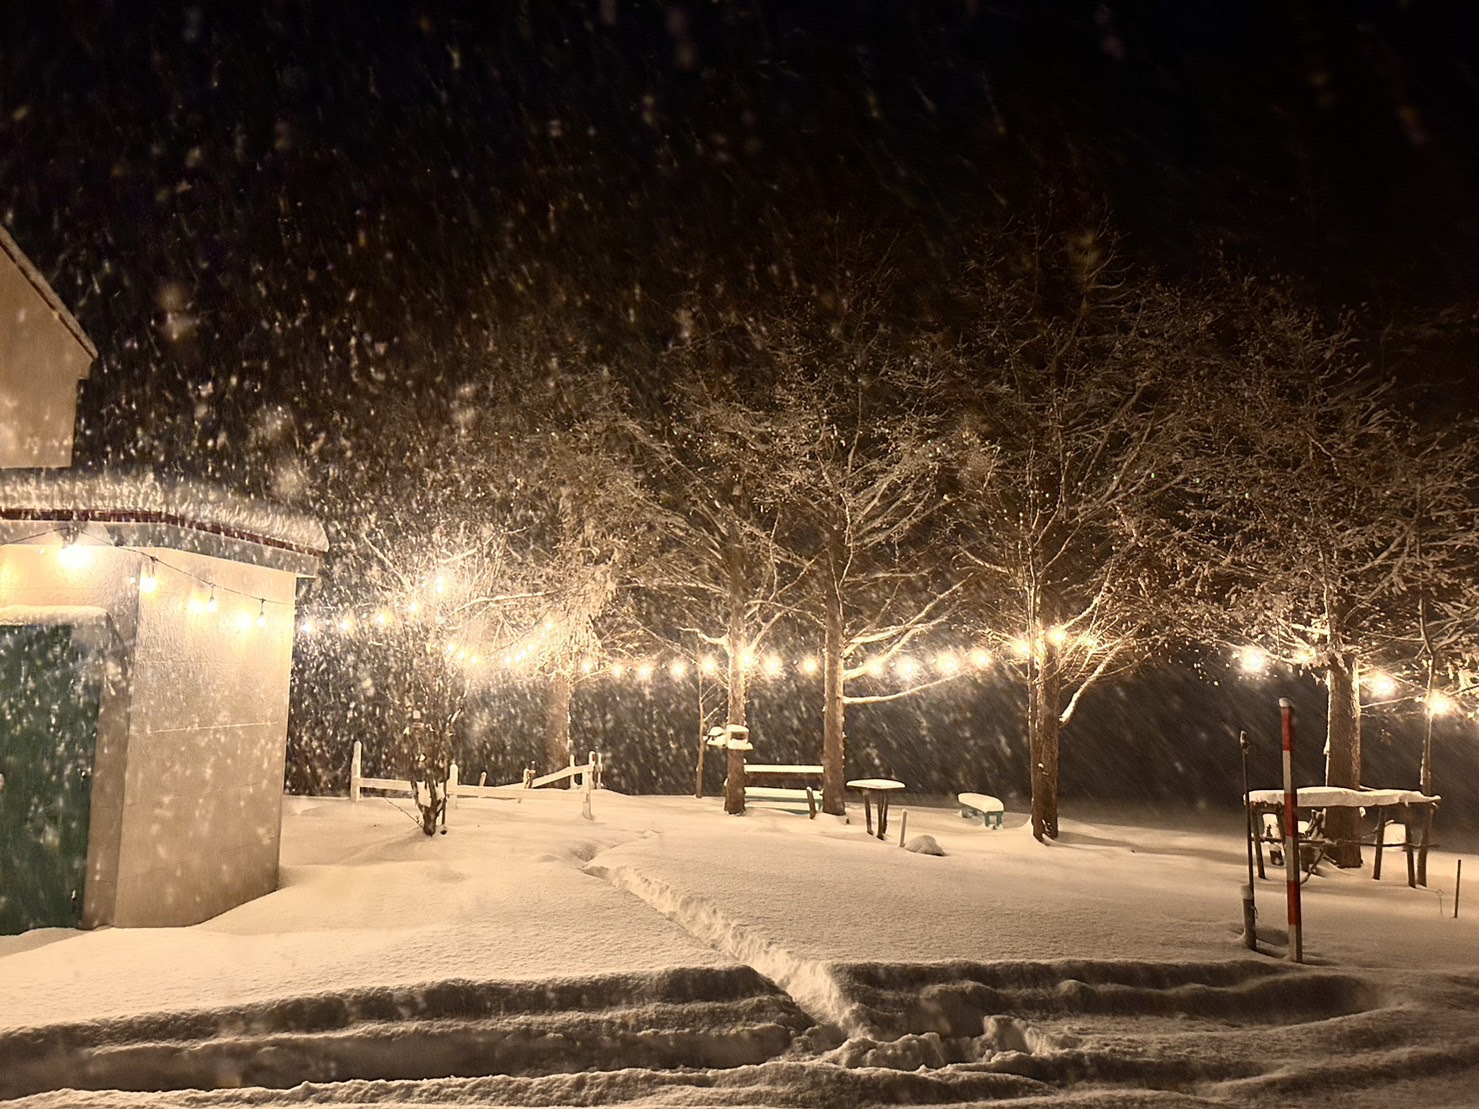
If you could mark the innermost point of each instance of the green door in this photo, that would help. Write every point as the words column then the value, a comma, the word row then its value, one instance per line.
column 50, row 679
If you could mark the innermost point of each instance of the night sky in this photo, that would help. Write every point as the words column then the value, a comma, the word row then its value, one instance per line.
column 284, row 211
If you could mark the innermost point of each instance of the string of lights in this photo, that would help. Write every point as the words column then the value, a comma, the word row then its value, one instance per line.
column 950, row 662
column 75, row 553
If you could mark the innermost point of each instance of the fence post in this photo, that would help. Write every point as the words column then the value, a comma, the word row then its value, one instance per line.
column 589, row 784
column 452, row 786
column 354, row 773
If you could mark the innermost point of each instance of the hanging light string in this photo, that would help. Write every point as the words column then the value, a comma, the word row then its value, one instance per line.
column 946, row 664
column 72, row 535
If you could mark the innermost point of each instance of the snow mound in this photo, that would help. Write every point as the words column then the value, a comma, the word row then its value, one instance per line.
column 924, row 845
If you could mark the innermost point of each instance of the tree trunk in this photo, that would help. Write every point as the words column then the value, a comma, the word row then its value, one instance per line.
column 734, row 786
column 1044, row 687
column 557, row 722
column 1343, row 755
column 834, row 742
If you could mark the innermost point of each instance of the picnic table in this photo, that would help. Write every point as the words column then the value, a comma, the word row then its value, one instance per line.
column 1404, row 803
column 877, row 789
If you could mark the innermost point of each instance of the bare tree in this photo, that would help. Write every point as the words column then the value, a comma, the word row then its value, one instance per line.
column 721, row 573
column 838, row 416
column 1068, row 446
column 1337, row 531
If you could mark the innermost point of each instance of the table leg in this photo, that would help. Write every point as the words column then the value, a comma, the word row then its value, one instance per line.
column 1381, row 835
column 867, row 813
column 882, row 814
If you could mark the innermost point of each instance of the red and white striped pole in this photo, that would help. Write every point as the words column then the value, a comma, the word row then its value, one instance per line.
column 1291, row 833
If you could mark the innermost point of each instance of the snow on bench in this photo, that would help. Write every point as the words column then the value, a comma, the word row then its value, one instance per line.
column 990, row 809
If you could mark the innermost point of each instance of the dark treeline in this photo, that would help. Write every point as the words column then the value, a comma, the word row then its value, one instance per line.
column 448, row 277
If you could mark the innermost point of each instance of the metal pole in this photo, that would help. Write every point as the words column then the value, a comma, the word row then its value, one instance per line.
column 1291, row 833
column 1458, row 878
column 703, row 739
column 1250, row 911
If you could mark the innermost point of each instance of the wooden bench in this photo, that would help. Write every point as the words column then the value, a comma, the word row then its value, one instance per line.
column 989, row 808
column 805, row 797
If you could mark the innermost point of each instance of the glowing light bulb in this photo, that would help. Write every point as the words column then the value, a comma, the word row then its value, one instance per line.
column 809, row 665
column 1021, row 648
column 1057, row 636
column 947, row 663
column 1380, row 685
column 773, row 666
column 262, row 614
column 74, row 555
column 346, row 624
column 382, row 618
column 148, row 583
column 1253, row 660
column 678, row 668
column 307, row 627
column 710, row 665
column 413, row 607
column 587, row 665
column 980, row 658
column 747, row 658
column 644, row 671
column 873, row 668
column 210, row 604
column 908, row 668
column 618, row 670
column 1440, row 704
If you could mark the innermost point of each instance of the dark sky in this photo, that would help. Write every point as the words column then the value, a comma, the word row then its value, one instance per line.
column 246, row 205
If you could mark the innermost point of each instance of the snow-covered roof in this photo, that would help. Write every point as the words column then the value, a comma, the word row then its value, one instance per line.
column 141, row 498
column 54, row 302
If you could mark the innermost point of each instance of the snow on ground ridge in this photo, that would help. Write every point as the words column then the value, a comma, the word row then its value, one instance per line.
column 807, row 981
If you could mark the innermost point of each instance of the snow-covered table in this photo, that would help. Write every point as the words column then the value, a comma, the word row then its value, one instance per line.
column 878, row 789
column 1339, row 797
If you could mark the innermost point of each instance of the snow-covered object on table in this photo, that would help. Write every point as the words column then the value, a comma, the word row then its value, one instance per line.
column 1332, row 797
column 180, row 600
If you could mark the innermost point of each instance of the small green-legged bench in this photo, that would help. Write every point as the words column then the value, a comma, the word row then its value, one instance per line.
column 989, row 808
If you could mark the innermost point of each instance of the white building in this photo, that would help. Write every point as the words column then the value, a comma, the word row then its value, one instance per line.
column 146, row 637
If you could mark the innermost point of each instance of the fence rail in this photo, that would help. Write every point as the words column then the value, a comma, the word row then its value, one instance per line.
column 585, row 777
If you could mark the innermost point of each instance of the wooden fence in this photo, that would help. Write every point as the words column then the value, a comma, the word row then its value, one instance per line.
column 585, row 777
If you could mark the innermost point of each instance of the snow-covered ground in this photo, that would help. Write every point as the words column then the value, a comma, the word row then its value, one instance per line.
column 664, row 954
